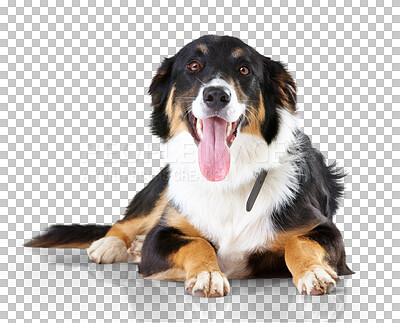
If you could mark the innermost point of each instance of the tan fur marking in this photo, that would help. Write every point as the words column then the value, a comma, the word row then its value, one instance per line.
column 173, row 274
column 261, row 109
column 176, row 220
column 195, row 257
column 256, row 118
column 75, row 245
column 280, row 240
column 301, row 254
column 285, row 98
column 127, row 230
column 287, row 88
column 169, row 108
column 242, row 97
column 176, row 123
column 237, row 52
column 202, row 48
column 174, row 114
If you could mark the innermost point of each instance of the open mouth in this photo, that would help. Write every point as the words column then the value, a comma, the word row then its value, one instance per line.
column 197, row 129
column 214, row 136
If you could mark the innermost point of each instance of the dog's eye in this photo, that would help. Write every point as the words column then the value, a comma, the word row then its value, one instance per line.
column 193, row 66
column 244, row 70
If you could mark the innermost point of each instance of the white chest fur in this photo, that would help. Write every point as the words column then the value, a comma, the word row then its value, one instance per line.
column 218, row 209
column 221, row 216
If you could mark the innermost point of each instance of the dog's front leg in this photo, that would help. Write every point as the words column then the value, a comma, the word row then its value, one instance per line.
column 316, row 259
column 203, row 276
column 174, row 250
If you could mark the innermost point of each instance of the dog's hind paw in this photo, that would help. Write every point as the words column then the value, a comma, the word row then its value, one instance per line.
column 208, row 284
column 108, row 250
column 317, row 281
column 135, row 250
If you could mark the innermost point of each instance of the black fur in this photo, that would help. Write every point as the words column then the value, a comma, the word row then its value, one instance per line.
column 329, row 237
column 320, row 188
column 270, row 127
column 320, row 185
column 159, row 90
column 161, row 242
column 270, row 77
column 77, row 234
column 268, row 265
column 145, row 200
column 275, row 81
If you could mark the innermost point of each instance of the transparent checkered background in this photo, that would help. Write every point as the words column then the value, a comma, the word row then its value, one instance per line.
column 75, row 147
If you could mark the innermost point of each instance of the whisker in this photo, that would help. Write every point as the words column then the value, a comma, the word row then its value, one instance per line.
column 247, row 118
column 187, row 112
column 251, row 112
column 199, row 80
column 246, row 101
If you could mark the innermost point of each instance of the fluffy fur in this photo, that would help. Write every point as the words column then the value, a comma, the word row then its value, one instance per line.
column 183, row 226
column 235, row 232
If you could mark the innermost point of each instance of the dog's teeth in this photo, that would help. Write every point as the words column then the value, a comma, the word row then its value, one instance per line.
column 199, row 128
column 228, row 129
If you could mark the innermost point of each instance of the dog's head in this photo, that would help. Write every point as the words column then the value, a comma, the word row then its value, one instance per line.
column 216, row 88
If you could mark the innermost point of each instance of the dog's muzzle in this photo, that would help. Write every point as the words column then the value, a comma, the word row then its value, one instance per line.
column 216, row 114
column 216, row 97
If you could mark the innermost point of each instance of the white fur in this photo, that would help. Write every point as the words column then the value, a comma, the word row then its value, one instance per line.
column 135, row 250
column 108, row 250
column 318, row 279
column 218, row 209
column 209, row 283
column 233, row 110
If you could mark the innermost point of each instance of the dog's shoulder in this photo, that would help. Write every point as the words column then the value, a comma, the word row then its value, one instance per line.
column 320, row 187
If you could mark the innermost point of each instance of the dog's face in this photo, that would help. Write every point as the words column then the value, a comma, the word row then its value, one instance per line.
column 216, row 88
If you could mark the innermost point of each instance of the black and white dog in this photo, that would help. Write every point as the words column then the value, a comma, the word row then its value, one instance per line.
column 255, row 199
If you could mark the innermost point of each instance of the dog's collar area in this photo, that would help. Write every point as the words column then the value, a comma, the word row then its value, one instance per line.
column 256, row 190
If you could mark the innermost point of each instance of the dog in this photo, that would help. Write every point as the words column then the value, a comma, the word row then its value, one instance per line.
column 254, row 199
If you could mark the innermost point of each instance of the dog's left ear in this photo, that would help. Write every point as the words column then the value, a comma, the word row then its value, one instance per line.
column 283, row 83
column 160, row 89
column 278, row 91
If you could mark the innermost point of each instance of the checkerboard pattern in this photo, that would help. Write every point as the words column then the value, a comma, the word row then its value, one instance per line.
column 75, row 147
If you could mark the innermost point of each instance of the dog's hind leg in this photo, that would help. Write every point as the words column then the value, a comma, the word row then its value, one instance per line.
column 114, row 246
column 135, row 250
column 107, row 244
column 141, row 216
column 118, row 240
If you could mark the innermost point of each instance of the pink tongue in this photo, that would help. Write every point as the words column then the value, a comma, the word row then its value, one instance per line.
column 214, row 158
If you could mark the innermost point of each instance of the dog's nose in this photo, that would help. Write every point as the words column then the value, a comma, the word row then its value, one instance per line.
column 216, row 97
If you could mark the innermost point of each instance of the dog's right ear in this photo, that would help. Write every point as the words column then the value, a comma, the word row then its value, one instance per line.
column 160, row 90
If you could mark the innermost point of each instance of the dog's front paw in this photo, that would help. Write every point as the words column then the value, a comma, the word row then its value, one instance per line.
column 208, row 284
column 108, row 250
column 317, row 281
